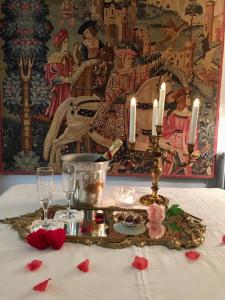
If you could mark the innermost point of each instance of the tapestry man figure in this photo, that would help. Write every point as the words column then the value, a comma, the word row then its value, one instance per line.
column 58, row 71
column 111, row 121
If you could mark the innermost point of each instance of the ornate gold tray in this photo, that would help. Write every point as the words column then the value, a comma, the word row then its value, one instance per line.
column 107, row 227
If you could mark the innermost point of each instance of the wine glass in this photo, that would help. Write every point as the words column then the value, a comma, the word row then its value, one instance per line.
column 68, row 184
column 45, row 186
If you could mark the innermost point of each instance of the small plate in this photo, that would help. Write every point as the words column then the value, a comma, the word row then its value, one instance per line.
column 127, row 224
column 128, row 230
column 76, row 216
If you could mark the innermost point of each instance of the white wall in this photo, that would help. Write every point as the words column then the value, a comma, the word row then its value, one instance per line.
column 7, row 181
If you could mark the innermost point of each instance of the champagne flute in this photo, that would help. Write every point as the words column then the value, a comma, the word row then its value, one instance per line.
column 68, row 184
column 45, row 186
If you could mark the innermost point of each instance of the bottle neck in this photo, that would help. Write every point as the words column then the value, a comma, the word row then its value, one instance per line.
column 108, row 155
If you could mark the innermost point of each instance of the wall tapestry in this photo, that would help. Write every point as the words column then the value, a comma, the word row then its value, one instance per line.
column 101, row 53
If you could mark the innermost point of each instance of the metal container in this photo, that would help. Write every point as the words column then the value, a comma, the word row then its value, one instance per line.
column 90, row 177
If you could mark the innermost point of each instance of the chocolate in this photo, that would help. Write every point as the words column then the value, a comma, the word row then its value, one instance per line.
column 137, row 220
column 129, row 219
column 121, row 217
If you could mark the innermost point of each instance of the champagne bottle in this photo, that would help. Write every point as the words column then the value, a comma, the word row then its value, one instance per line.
column 108, row 155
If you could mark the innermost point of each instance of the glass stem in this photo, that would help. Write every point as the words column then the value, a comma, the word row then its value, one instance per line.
column 69, row 201
column 45, row 216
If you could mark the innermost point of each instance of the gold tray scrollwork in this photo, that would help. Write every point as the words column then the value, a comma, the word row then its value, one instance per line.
column 180, row 231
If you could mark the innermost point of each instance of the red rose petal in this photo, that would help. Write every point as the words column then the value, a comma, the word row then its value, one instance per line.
column 37, row 239
column 224, row 239
column 140, row 263
column 56, row 238
column 41, row 287
column 34, row 265
column 84, row 266
column 192, row 255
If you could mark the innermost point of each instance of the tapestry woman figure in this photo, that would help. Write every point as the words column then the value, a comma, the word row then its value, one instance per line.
column 58, row 72
column 176, row 132
column 85, row 53
column 91, row 45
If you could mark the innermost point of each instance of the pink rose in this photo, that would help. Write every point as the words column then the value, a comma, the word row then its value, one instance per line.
column 156, row 213
column 155, row 230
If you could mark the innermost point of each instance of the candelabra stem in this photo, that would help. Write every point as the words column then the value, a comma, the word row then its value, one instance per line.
column 131, row 155
column 156, row 173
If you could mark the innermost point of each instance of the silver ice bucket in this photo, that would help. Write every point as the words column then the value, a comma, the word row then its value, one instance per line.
column 90, row 177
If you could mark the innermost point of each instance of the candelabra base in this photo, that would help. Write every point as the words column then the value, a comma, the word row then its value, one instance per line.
column 149, row 199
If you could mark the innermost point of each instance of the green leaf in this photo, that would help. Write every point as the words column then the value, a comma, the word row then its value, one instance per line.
column 174, row 210
column 174, row 227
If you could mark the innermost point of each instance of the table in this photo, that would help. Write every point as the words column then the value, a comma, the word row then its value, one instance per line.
column 171, row 276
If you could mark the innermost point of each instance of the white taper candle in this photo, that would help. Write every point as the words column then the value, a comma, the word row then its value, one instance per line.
column 154, row 116
column 132, row 128
column 194, row 122
column 162, row 97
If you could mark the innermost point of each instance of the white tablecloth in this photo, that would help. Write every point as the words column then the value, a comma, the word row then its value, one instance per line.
column 170, row 276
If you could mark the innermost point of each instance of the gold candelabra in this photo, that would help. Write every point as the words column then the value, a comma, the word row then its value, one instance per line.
column 156, row 172
column 130, row 162
column 131, row 151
